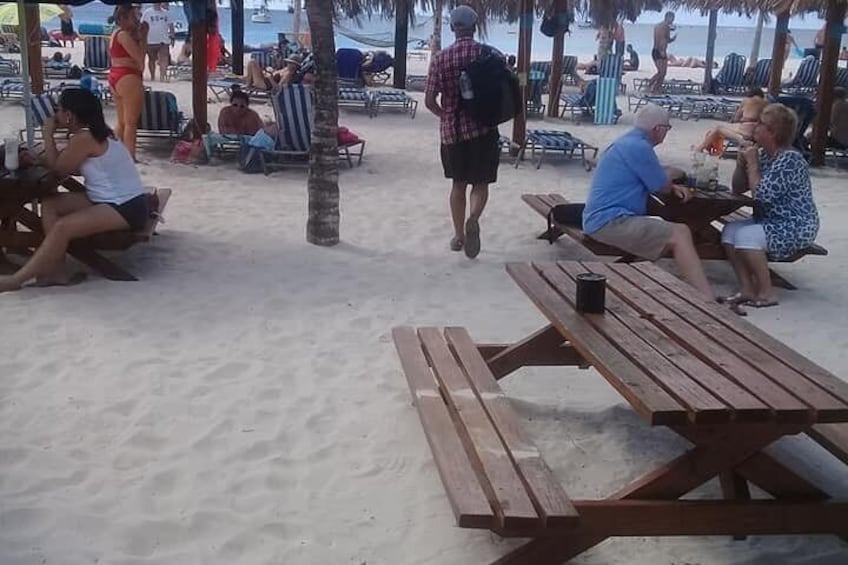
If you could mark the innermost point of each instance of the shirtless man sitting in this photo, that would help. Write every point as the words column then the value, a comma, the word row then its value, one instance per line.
column 746, row 116
column 238, row 118
column 662, row 37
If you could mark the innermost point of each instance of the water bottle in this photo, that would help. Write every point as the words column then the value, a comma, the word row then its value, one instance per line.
column 712, row 173
column 465, row 88
column 697, row 169
column 11, row 156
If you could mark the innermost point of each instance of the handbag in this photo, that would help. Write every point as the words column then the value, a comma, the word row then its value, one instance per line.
column 570, row 215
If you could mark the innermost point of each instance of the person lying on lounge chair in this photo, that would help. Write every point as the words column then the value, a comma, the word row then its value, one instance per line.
column 690, row 62
column 745, row 118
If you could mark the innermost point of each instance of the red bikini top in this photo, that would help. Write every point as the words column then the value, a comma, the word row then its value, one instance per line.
column 116, row 50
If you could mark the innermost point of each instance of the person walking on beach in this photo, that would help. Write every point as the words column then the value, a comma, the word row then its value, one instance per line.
column 618, row 38
column 159, row 39
column 662, row 37
column 469, row 150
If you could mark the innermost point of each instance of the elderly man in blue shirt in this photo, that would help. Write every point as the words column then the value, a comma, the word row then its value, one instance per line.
column 628, row 173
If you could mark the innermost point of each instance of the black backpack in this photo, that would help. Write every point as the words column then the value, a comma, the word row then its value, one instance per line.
column 497, row 95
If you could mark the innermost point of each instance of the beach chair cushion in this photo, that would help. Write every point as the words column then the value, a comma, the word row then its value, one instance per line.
column 762, row 73
column 807, row 76
column 349, row 67
column 160, row 114
column 43, row 106
column 294, row 114
column 96, row 56
column 731, row 76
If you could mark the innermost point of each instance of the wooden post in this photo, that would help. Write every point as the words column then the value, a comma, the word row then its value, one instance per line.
column 33, row 47
column 778, row 53
column 436, row 41
column 758, row 39
column 199, row 30
column 525, row 38
column 711, row 39
column 401, row 38
column 557, row 53
column 237, row 26
column 827, row 79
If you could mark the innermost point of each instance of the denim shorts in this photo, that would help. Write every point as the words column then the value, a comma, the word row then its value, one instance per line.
column 134, row 211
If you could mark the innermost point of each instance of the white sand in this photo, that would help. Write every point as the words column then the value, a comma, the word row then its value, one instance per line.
column 243, row 403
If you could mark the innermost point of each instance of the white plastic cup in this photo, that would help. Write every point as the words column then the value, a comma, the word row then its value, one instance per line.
column 11, row 158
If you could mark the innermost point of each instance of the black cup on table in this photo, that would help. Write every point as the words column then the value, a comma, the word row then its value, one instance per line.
column 591, row 293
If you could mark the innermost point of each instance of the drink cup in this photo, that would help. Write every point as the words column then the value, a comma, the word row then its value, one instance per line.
column 591, row 293
column 11, row 153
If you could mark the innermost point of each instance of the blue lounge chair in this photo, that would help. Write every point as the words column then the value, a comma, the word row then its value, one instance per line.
column 607, row 86
column 569, row 70
column 731, row 76
column 806, row 79
column 357, row 98
column 552, row 141
column 538, row 76
column 96, row 59
column 10, row 68
column 267, row 58
column 762, row 74
column 349, row 67
column 842, row 77
column 397, row 99
column 160, row 116
column 294, row 114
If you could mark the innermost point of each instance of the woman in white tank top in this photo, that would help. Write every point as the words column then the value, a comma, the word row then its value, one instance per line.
column 114, row 197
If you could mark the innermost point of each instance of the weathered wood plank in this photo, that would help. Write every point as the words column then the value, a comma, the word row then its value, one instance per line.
column 833, row 437
column 469, row 502
column 487, row 453
column 646, row 396
column 547, row 343
column 550, row 499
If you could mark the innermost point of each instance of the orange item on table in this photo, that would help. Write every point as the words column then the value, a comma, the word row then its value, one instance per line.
column 717, row 147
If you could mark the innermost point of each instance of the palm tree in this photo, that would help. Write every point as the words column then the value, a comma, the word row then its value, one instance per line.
column 322, row 226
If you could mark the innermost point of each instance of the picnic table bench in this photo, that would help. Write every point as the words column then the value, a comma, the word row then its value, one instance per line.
column 680, row 362
column 702, row 214
column 20, row 188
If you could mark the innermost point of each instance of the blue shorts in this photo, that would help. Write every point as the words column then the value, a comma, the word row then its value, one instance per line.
column 134, row 211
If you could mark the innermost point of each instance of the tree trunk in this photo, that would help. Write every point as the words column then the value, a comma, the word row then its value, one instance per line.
column 237, row 16
column 33, row 47
column 827, row 79
column 557, row 54
column 436, row 42
column 758, row 39
column 778, row 53
column 199, row 74
column 296, row 20
column 401, row 39
column 525, row 39
column 711, row 39
column 322, row 227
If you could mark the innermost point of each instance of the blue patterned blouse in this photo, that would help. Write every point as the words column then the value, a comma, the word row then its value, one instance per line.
column 785, row 203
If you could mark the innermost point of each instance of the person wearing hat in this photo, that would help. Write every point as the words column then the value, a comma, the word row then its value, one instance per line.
column 469, row 150
column 616, row 209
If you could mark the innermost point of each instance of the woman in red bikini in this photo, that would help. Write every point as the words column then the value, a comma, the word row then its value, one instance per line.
column 127, row 49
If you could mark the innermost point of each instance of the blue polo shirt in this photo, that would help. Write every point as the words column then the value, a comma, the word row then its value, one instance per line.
column 628, row 172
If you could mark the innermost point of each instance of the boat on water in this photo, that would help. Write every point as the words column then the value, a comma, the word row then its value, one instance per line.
column 261, row 15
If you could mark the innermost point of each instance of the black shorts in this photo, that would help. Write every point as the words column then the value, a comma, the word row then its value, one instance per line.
column 474, row 161
column 134, row 211
column 658, row 55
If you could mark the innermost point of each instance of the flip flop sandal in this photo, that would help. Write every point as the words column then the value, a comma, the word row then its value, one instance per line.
column 761, row 303
column 74, row 279
column 456, row 244
column 736, row 298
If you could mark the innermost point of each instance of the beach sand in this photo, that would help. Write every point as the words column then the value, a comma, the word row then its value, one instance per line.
column 243, row 403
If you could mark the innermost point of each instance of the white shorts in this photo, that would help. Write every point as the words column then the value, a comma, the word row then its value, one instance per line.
column 745, row 234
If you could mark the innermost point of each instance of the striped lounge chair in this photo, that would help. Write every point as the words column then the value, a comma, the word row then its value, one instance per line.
column 265, row 59
column 842, row 77
column 294, row 114
column 762, row 74
column 396, row 99
column 42, row 106
column 10, row 68
column 160, row 116
column 553, row 141
column 538, row 77
column 96, row 59
column 357, row 98
column 608, row 84
column 569, row 70
column 731, row 76
column 806, row 79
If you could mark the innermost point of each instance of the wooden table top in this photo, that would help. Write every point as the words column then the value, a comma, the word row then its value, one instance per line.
column 28, row 183
column 678, row 358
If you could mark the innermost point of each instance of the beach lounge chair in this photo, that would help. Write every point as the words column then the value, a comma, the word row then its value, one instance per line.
column 806, row 79
column 554, row 141
column 607, row 86
column 42, row 107
column 731, row 76
column 357, row 98
column 267, row 58
column 569, row 70
column 842, row 77
column 293, row 112
column 804, row 108
column 395, row 99
column 762, row 74
column 96, row 59
column 160, row 116
column 10, row 68
column 537, row 81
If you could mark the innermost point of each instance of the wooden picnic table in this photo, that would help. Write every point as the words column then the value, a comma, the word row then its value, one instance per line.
column 690, row 365
column 699, row 213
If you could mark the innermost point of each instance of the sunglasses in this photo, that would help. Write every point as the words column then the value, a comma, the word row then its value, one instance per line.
column 239, row 105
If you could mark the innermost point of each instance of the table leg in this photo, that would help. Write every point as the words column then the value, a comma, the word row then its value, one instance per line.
column 545, row 347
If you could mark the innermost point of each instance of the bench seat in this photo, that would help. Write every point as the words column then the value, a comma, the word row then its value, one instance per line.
column 494, row 475
column 812, row 249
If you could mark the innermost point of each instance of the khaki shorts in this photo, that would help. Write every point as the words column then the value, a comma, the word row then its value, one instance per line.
column 642, row 236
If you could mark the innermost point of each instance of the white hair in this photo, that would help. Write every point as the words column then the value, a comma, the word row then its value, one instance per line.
column 651, row 116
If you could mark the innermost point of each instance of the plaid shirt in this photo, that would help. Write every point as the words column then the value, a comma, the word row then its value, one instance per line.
column 443, row 79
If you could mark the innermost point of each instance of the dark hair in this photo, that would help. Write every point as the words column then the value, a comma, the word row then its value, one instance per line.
column 239, row 94
column 122, row 12
column 755, row 91
column 86, row 108
column 840, row 92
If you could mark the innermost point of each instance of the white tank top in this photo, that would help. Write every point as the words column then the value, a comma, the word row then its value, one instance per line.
column 112, row 178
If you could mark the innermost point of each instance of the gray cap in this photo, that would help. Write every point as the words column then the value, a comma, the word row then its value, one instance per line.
column 464, row 17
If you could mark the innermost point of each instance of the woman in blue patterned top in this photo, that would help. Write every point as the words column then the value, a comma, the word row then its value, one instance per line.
column 785, row 217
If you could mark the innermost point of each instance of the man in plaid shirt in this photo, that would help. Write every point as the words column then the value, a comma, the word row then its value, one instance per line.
column 469, row 151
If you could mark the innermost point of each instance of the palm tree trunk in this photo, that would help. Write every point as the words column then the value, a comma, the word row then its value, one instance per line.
column 758, row 37
column 322, row 227
column 402, row 8
column 436, row 43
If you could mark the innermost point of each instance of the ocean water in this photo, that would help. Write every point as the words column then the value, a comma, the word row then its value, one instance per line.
column 691, row 39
